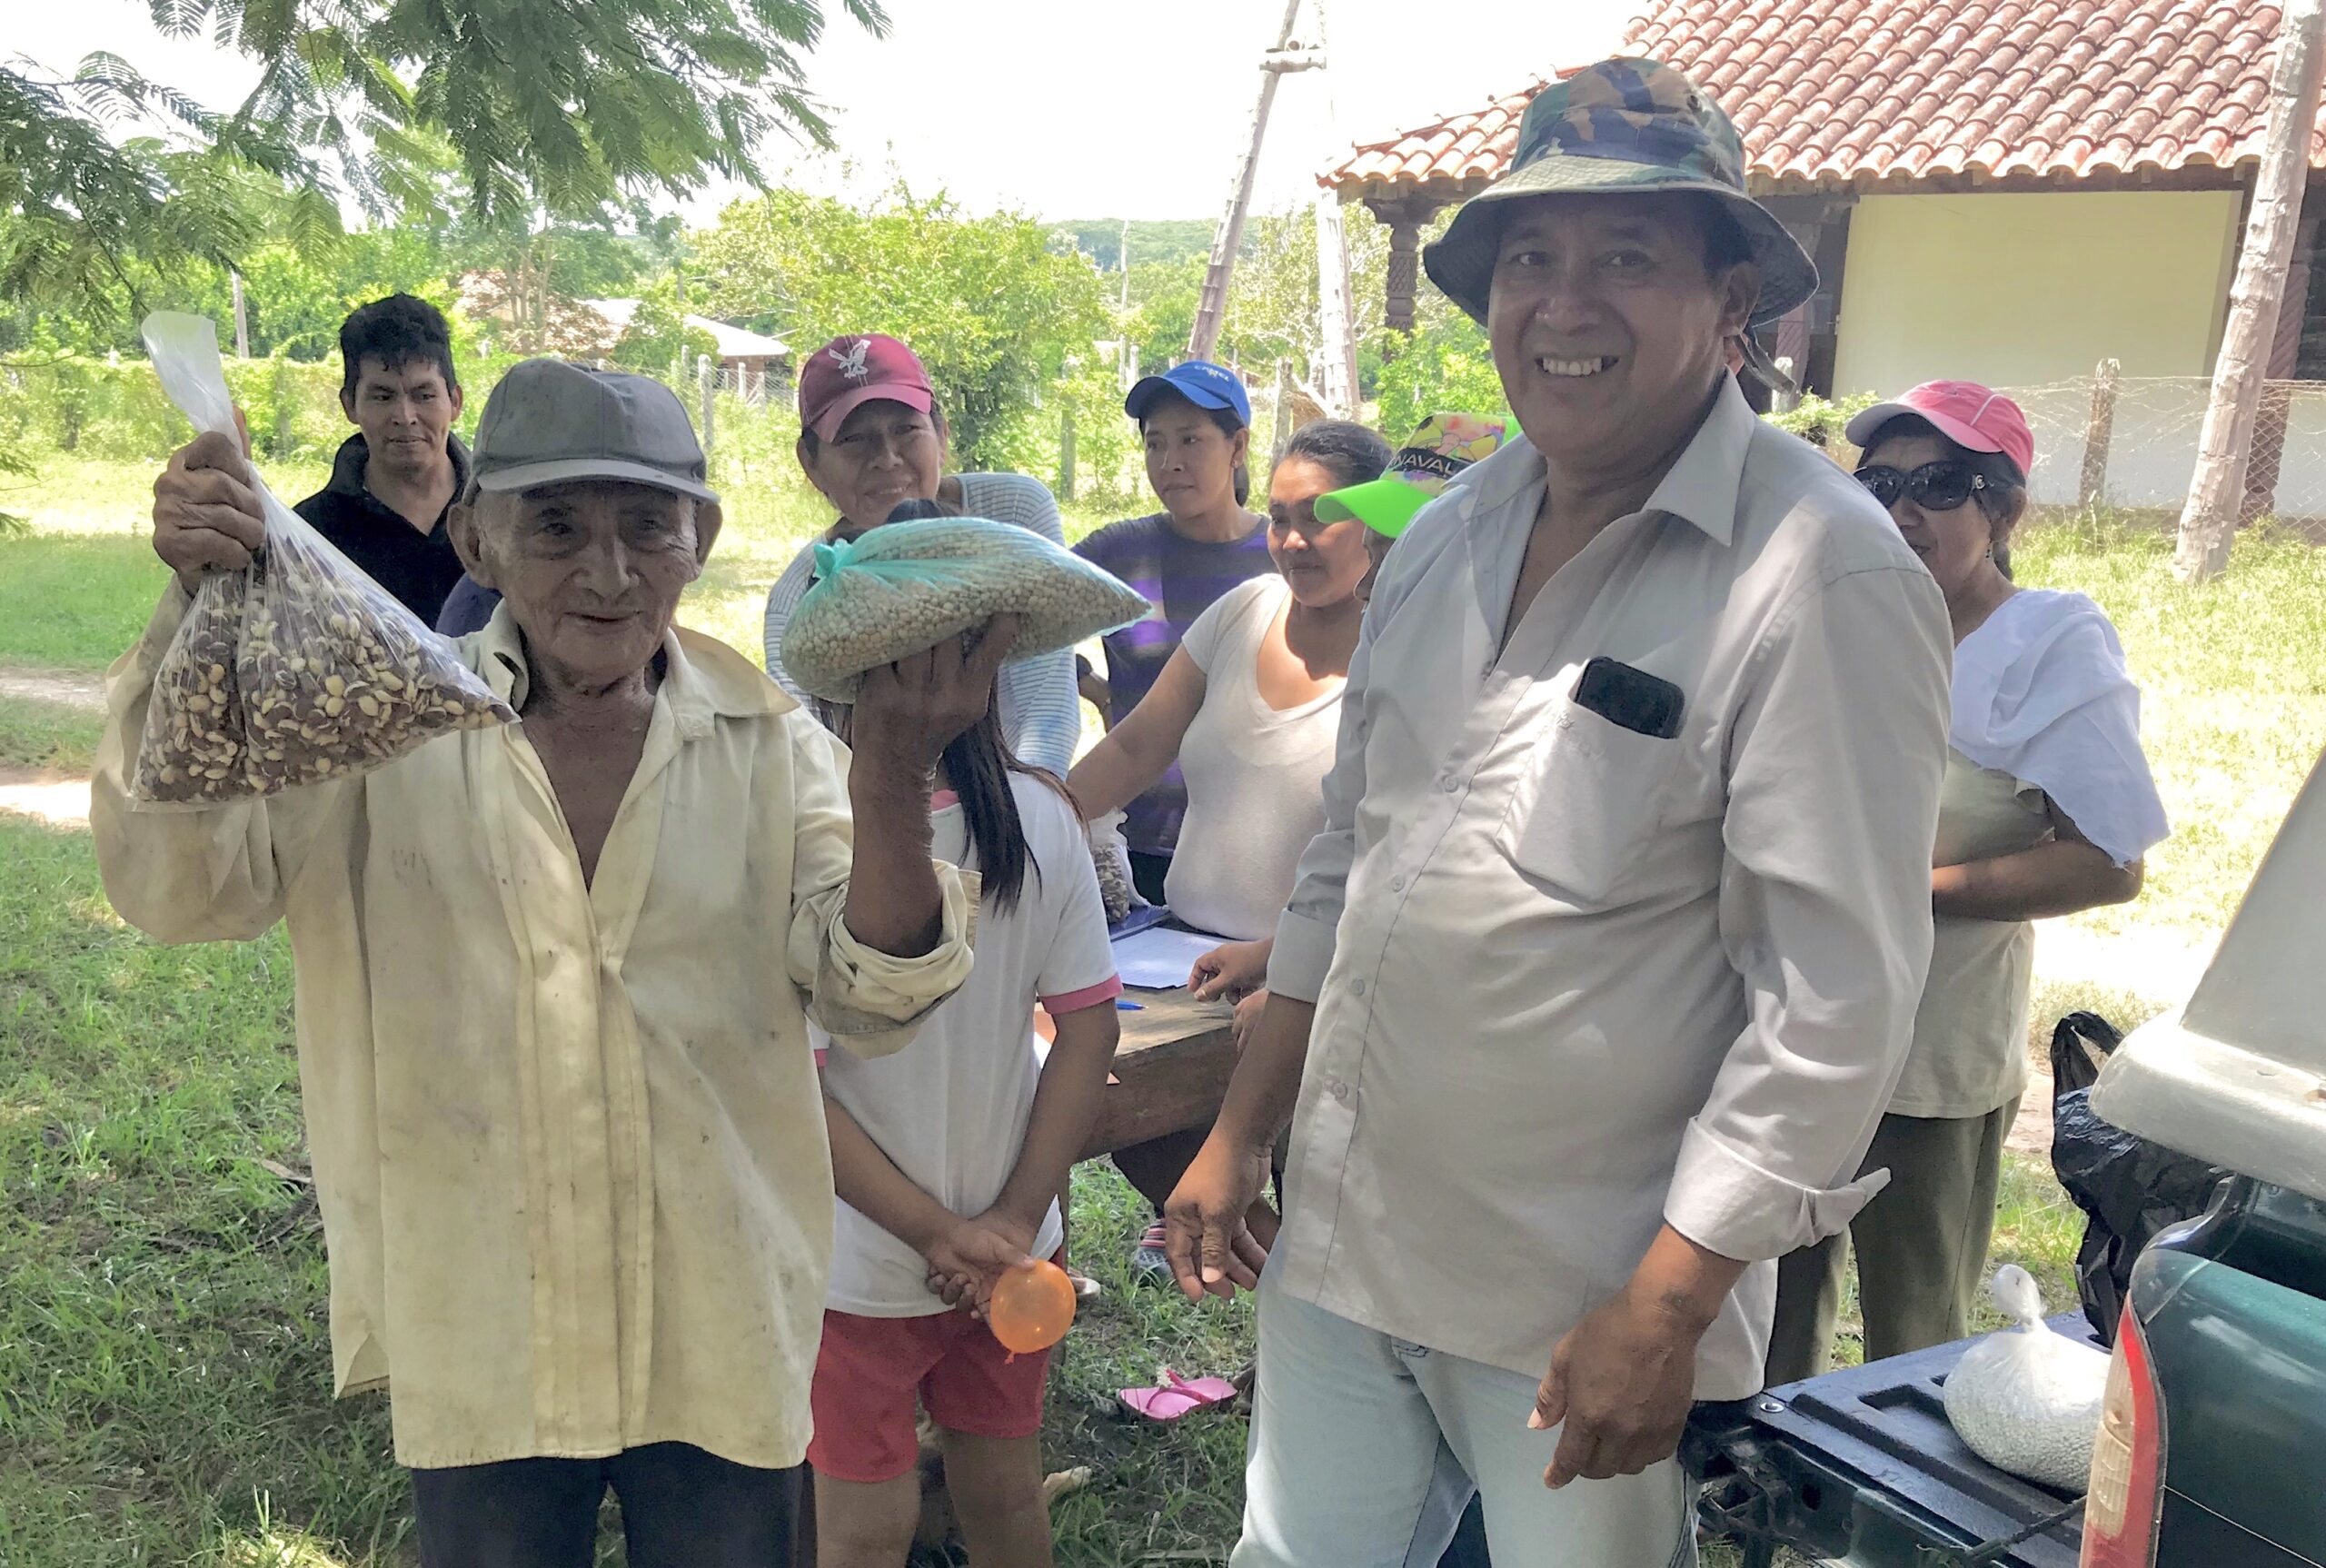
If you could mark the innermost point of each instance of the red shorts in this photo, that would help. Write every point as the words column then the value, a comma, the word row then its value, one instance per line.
column 871, row 1372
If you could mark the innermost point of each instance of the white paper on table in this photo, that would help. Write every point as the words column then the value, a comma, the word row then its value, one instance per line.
column 1159, row 958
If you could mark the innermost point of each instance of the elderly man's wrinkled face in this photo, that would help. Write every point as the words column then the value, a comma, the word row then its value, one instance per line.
column 591, row 569
column 1608, row 324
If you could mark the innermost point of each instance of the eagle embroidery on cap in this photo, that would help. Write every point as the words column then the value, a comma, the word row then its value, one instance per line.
column 852, row 364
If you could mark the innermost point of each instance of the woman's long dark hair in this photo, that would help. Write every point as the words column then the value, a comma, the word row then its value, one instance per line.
column 978, row 763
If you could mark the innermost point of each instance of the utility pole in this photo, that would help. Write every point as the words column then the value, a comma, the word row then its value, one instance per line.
column 1212, row 311
column 1123, row 369
column 2217, row 489
column 1336, row 354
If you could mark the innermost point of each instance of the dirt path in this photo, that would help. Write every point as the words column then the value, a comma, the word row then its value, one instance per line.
column 66, row 687
column 57, row 799
column 61, row 802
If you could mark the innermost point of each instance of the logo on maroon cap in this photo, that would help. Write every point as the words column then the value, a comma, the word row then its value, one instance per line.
column 857, row 369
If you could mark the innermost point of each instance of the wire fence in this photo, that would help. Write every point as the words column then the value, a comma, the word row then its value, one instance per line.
column 2129, row 444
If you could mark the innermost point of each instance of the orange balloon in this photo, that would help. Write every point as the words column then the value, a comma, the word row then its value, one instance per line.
column 1032, row 1307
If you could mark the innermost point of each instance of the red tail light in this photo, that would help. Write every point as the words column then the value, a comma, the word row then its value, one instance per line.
column 2122, row 1508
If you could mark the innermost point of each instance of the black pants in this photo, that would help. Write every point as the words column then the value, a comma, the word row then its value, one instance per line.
column 680, row 1508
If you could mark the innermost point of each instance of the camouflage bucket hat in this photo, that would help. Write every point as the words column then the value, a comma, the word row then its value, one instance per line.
column 1622, row 126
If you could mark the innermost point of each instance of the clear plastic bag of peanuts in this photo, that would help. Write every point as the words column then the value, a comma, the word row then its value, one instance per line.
column 298, row 669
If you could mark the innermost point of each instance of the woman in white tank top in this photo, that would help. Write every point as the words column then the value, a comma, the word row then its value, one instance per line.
column 1248, row 707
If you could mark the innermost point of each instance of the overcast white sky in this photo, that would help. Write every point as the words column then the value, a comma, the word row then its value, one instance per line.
column 1065, row 108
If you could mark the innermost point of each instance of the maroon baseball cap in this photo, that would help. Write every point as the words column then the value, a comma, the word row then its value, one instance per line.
column 1973, row 417
column 857, row 369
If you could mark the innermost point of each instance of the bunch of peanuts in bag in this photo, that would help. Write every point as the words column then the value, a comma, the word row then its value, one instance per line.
column 289, row 673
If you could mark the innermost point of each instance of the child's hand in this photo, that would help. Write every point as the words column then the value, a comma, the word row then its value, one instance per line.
column 1247, row 1017
column 1230, row 972
column 968, row 1260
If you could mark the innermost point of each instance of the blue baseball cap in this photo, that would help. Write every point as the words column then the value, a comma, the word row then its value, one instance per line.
column 1201, row 382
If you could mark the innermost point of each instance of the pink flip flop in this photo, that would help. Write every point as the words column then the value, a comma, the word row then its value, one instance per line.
column 1177, row 1396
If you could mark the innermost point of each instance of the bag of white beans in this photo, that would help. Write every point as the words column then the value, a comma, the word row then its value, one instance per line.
column 298, row 669
column 899, row 590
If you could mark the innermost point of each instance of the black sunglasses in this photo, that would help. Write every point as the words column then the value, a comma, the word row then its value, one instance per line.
column 1940, row 486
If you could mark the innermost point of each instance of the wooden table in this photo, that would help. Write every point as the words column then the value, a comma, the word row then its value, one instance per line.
column 1170, row 1072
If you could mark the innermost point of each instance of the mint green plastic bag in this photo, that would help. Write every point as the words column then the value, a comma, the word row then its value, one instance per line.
column 899, row 590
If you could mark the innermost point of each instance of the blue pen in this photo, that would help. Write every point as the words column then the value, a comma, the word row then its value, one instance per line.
column 1124, row 1004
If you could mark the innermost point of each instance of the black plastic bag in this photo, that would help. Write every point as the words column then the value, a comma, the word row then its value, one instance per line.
column 2128, row 1187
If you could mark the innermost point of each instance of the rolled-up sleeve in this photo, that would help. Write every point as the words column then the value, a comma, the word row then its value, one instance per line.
column 193, row 873
column 1835, row 763
column 868, row 1000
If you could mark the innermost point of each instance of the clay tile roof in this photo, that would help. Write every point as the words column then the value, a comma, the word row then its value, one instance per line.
column 1831, row 93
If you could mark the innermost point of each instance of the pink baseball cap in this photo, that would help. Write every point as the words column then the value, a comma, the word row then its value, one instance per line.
column 857, row 369
column 1972, row 416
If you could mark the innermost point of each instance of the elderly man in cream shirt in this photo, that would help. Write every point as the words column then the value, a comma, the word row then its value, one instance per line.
column 553, row 984
column 1595, row 985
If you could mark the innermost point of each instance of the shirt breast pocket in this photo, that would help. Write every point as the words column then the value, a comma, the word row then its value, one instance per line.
column 1585, row 803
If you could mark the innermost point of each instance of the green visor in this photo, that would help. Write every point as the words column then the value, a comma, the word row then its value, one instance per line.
column 1385, row 505
column 1445, row 445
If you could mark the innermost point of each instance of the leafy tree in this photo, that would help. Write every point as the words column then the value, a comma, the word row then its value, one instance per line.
column 991, row 310
column 556, row 107
column 658, row 341
column 1166, row 240
column 1163, row 299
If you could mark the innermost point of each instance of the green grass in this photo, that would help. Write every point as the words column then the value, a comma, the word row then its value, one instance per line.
column 46, row 736
column 164, row 1357
column 2233, row 698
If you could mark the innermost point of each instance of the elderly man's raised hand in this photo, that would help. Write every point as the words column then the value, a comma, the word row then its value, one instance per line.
column 907, row 712
column 206, row 512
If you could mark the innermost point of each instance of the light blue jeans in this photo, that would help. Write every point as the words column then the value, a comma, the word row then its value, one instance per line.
column 1365, row 1450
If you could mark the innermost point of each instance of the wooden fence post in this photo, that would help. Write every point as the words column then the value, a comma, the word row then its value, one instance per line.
column 1066, row 454
column 2099, row 432
column 707, row 381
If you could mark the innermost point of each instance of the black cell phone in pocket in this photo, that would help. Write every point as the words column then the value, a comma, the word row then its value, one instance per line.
column 1632, row 698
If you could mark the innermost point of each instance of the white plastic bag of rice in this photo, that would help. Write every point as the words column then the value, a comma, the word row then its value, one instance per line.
column 2028, row 1399
column 896, row 590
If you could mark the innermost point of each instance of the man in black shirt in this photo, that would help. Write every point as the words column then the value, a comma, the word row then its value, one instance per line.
column 397, row 476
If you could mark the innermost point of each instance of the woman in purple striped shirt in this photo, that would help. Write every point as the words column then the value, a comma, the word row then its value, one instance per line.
column 1197, row 421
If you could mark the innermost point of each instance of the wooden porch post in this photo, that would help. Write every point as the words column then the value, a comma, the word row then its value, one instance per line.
column 1821, row 221
column 1405, row 219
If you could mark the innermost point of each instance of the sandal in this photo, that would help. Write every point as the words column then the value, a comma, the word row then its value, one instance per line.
column 1148, row 1259
column 1176, row 1397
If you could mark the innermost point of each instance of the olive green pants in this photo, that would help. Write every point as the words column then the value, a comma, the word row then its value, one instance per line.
column 1921, row 1246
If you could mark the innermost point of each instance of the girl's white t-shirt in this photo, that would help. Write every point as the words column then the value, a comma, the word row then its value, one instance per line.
column 1256, row 774
column 951, row 1108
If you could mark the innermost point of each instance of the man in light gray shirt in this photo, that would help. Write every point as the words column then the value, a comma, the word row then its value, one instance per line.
column 1595, row 985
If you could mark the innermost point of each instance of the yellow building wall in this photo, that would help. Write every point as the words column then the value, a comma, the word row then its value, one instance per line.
column 2019, row 290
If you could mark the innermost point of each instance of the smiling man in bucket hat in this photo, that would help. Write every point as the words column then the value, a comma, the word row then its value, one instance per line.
column 1595, row 984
